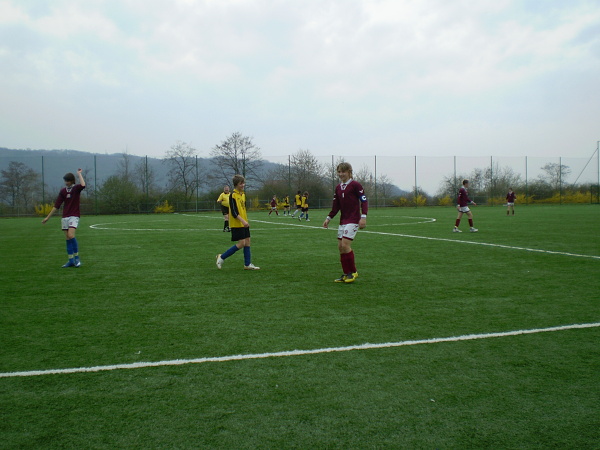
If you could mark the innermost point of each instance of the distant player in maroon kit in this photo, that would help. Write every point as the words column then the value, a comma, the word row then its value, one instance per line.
column 510, row 202
column 69, row 196
column 464, row 200
column 274, row 205
column 351, row 200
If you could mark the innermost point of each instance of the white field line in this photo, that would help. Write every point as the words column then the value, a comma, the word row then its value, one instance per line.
column 319, row 227
column 460, row 241
column 367, row 346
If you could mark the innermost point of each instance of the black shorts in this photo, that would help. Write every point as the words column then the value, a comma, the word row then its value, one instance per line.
column 298, row 206
column 224, row 209
column 304, row 209
column 239, row 233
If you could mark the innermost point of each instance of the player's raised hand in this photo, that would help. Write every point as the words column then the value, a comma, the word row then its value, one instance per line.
column 79, row 170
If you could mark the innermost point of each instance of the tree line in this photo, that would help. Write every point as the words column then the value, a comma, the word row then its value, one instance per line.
column 134, row 186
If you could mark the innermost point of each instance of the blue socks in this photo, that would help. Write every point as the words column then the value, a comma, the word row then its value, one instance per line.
column 70, row 248
column 228, row 253
column 233, row 249
column 74, row 246
column 247, row 259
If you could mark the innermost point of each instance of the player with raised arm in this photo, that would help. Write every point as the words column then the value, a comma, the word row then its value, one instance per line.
column 240, row 227
column 223, row 200
column 351, row 201
column 510, row 202
column 462, row 201
column 69, row 196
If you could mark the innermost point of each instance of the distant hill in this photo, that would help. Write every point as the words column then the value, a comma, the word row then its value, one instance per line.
column 57, row 162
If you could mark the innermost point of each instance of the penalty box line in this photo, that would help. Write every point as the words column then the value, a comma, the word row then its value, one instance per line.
column 367, row 346
column 459, row 241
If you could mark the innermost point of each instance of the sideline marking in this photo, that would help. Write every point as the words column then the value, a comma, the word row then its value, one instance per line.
column 367, row 346
column 429, row 220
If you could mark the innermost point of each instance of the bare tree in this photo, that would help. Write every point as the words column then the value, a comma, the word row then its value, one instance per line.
column 144, row 176
column 183, row 174
column 555, row 174
column 20, row 185
column 237, row 155
column 125, row 166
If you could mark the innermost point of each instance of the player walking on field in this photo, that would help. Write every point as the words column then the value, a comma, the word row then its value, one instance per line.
column 351, row 201
column 223, row 200
column 462, row 201
column 240, row 228
column 274, row 205
column 298, row 200
column 510, row 202
column 304, row 207
column 70, row 197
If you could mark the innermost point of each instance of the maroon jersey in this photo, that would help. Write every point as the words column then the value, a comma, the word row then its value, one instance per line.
column 350, row 199
column 463, row 197
column 510, row 197
column 70, row 197
column 273, row 203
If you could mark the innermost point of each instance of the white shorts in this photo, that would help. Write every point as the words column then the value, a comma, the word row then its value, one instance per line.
column 348, row 231
column 69, row 222
column 463, row 209
column 510, row 204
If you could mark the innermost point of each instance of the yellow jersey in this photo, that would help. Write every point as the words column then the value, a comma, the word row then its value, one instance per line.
column 223, row 199
column 304, row 202
column 237, row 209
column 298, row 200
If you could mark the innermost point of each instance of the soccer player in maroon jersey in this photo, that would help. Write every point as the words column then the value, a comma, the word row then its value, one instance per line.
column 274, row 205
column 70, row 196
column 350, row 199
column 510, row 201
column 463, row 200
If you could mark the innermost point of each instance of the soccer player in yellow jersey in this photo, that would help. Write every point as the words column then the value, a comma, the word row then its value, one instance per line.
column 223, row 200
column 240, row 228
column 304, row 207
column 286, row 205
column 298, row 203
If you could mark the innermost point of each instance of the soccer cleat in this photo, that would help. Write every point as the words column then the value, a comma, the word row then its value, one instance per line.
column 473, row 230
column 341, row 279
column 456, row 230
column 77, row 262
column 224, row 230
column 69, row 264
column 308, row 220
column 251, row 267
column 219, row 261
column 351, row 277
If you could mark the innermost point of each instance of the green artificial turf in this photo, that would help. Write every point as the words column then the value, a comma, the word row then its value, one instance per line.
column 149, row 290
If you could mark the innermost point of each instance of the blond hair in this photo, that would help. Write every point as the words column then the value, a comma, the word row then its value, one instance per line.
column 344, row 167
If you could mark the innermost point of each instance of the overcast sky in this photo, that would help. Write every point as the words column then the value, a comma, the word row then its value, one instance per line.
column 344, row 77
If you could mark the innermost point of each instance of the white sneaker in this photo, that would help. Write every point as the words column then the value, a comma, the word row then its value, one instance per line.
column 456, row 230
column 251, row 267
column 308, row 220
column 473, row 230
column 219, row 261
